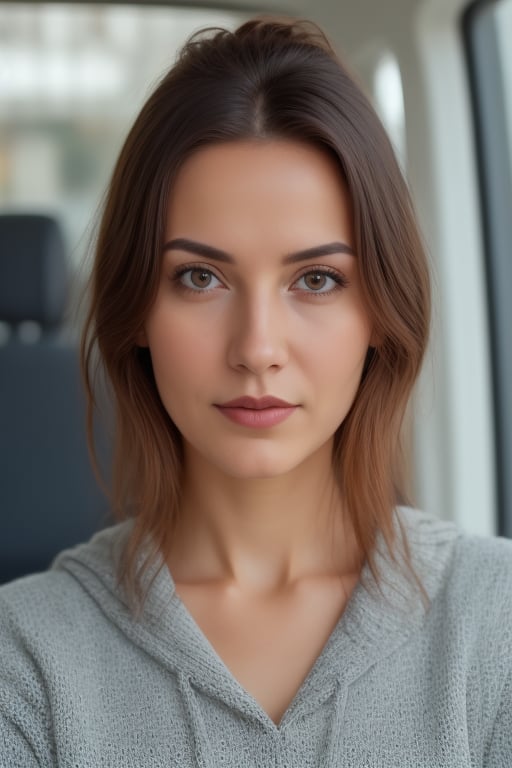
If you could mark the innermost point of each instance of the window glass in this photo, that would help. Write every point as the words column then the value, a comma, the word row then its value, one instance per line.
column 72, row 78
column 389, row 101
column 504, row 40
column 488, row 35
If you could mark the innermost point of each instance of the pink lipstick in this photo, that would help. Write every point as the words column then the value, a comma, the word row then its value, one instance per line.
column 257, row 412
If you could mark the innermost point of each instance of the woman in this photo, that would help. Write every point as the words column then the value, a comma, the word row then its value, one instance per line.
column 260, row 307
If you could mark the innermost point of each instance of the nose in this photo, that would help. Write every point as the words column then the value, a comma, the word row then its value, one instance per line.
column 257, row 339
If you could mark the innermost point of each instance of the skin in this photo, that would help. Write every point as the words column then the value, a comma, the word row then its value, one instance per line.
column 261, row 513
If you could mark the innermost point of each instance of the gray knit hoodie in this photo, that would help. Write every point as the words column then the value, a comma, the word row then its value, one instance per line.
column 84, row 685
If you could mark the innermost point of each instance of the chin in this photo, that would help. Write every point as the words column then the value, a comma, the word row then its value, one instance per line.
column 256, row 469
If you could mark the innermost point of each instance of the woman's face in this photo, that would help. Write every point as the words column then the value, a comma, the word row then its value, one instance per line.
column 259, row 296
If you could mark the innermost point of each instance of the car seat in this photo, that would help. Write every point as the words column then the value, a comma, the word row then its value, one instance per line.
column 49, row 498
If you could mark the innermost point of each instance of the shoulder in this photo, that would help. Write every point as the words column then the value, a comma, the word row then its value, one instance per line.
column 491, row 555
column 46, row 615
column 38, row 614
column 468, row 579
column 480, row 580
column 467, row 631
column 473, row 563
column 32, row 595
column 49, row 624
column 28, row 638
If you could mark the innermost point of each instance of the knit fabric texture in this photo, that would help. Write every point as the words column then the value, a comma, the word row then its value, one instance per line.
column 85, row 685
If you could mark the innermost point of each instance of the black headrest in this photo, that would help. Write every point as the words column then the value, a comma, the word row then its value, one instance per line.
column 33, row 269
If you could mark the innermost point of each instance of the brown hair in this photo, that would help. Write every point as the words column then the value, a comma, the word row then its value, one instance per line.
column 268, row 79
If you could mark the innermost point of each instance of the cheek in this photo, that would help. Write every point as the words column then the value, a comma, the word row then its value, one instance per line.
column 337, row 347
column 179, row 350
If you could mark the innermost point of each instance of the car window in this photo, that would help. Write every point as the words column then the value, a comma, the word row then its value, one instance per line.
column 72, row 78
column 488, row 32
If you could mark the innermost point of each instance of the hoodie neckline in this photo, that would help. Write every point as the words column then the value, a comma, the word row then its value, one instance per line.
column 371, row 627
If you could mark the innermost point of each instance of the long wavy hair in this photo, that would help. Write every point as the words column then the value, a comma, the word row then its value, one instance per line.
column 269, row 79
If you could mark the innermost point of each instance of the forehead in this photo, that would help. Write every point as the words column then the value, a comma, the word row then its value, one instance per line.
column 245, row 192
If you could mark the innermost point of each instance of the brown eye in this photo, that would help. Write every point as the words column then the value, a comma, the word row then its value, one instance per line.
column 200, row 277
column 322, row 282
column 315, row 280
column 195, row 279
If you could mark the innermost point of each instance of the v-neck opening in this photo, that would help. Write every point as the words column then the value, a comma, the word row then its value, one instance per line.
column 369, row 629
column 313, row 671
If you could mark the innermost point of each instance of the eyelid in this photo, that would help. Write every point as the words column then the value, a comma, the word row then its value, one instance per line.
column 194, row 265
column 325, row 270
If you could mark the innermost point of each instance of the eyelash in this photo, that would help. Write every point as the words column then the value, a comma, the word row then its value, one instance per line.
column 340, row 280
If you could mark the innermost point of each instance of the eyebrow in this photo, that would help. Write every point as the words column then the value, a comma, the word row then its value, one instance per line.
column 209, row 252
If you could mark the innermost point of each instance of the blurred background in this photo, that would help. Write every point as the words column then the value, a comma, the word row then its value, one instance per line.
column 439, row 72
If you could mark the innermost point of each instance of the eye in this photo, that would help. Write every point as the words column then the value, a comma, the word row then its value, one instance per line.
column 195, row 279
column 322, row 281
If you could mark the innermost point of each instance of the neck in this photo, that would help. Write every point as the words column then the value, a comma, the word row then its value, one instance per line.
column 262, row 535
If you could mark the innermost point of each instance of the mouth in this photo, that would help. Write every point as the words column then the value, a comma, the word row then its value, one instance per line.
column 257, row 404
column 258, row 418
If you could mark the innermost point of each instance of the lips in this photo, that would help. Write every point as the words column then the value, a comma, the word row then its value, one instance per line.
column 256, row 404
column 262, row 413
